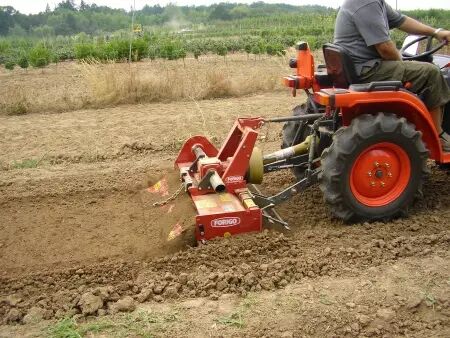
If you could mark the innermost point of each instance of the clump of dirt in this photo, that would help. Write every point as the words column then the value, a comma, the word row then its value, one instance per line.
column 252, row 262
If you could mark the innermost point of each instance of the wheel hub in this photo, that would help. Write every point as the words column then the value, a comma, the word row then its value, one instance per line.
column 380, row 174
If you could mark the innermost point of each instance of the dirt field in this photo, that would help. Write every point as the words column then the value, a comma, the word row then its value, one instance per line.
column 80, row 239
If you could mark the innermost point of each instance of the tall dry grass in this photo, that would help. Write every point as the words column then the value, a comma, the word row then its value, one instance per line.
column 112, row 84
column 74, row 86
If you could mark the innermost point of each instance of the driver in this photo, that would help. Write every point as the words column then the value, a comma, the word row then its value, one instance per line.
column 362, row 29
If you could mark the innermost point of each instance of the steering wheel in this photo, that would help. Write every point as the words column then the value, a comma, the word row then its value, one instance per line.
column 408, row 57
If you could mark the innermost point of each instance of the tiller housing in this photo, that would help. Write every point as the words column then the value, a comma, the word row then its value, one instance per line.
column 216, row 181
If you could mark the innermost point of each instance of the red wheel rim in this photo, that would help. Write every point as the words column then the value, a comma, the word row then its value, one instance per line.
column 380, row 174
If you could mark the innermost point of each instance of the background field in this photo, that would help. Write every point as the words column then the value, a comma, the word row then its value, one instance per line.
column 174, row 32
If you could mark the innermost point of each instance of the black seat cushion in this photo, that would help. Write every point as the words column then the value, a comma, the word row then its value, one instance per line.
column 340, row 66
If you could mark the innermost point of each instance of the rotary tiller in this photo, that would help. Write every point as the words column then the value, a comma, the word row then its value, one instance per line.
column 366, row 144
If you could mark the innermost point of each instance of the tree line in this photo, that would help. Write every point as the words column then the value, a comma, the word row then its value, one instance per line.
column 170, row 32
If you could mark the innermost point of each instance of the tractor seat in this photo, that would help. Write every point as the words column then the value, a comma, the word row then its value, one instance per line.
column 340, row 67
column 342, row 74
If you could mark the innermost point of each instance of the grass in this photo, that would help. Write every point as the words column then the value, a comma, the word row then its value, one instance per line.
column 65, row 328
column 236, row 318
column 96, row 85
column 25, row 164
column 113, row 84
column 136, row 324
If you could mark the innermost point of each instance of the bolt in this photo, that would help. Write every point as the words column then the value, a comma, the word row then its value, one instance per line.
column 387, row 165
column 389, row 174
column 372, row 183
column 376, row 164
column 382, row 184
column 369, row 174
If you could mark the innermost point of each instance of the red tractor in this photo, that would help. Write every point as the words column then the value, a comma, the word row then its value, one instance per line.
column 366, row 145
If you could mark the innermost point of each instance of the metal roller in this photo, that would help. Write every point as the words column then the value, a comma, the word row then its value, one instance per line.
column 255, row 170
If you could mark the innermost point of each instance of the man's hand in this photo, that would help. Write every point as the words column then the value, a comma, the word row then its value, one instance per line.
column 388, row 51
column 443, row 36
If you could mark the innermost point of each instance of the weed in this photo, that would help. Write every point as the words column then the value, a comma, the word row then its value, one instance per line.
column 96, row 327
column 25, row 164
column 65, row 328
column 430, row 299
column 137, row 324
column 234, row 319
column 325, row 300
column 15, row 108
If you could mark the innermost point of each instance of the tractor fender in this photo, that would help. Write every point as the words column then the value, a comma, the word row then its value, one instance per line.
column 400, row 103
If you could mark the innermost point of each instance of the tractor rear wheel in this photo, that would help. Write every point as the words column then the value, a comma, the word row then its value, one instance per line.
column 374, row 168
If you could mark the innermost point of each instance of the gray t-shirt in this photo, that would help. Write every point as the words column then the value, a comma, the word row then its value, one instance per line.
column 361, row 24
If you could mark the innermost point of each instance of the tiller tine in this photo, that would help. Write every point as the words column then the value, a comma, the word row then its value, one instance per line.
column 217, row 181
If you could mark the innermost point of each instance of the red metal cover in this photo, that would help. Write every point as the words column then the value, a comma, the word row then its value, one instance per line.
column 221, row 215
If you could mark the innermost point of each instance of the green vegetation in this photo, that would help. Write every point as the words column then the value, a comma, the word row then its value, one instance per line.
column 236, row 318
column 86, row 32
column 136, row 324
column 25, row 164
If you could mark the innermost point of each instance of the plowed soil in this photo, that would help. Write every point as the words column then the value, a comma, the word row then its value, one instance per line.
column 81, row 221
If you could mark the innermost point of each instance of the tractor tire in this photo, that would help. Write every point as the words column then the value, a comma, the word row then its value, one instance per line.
column 289, row 134
column 374, row 168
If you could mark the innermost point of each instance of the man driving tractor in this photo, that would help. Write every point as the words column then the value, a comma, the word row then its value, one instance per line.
column 362, row 29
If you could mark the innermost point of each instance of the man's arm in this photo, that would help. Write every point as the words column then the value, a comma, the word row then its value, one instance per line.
column 412, row 26
column 388, row 51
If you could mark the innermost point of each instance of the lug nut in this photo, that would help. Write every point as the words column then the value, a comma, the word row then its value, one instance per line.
column 369, row 174
column 387, row 165
column 389, row 174
column 376, row 164
column 382, row 184
column 372, row 183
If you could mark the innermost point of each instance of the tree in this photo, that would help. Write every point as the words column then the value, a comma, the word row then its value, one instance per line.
column 240, row 11
column 47, row 8
column 23, row 61
column 67, row 4
column 10, row 65
column 222, row 50
column 6, row 19
column 220, row 12
column 83, row 6
column 39, row 56
column 17, row 30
